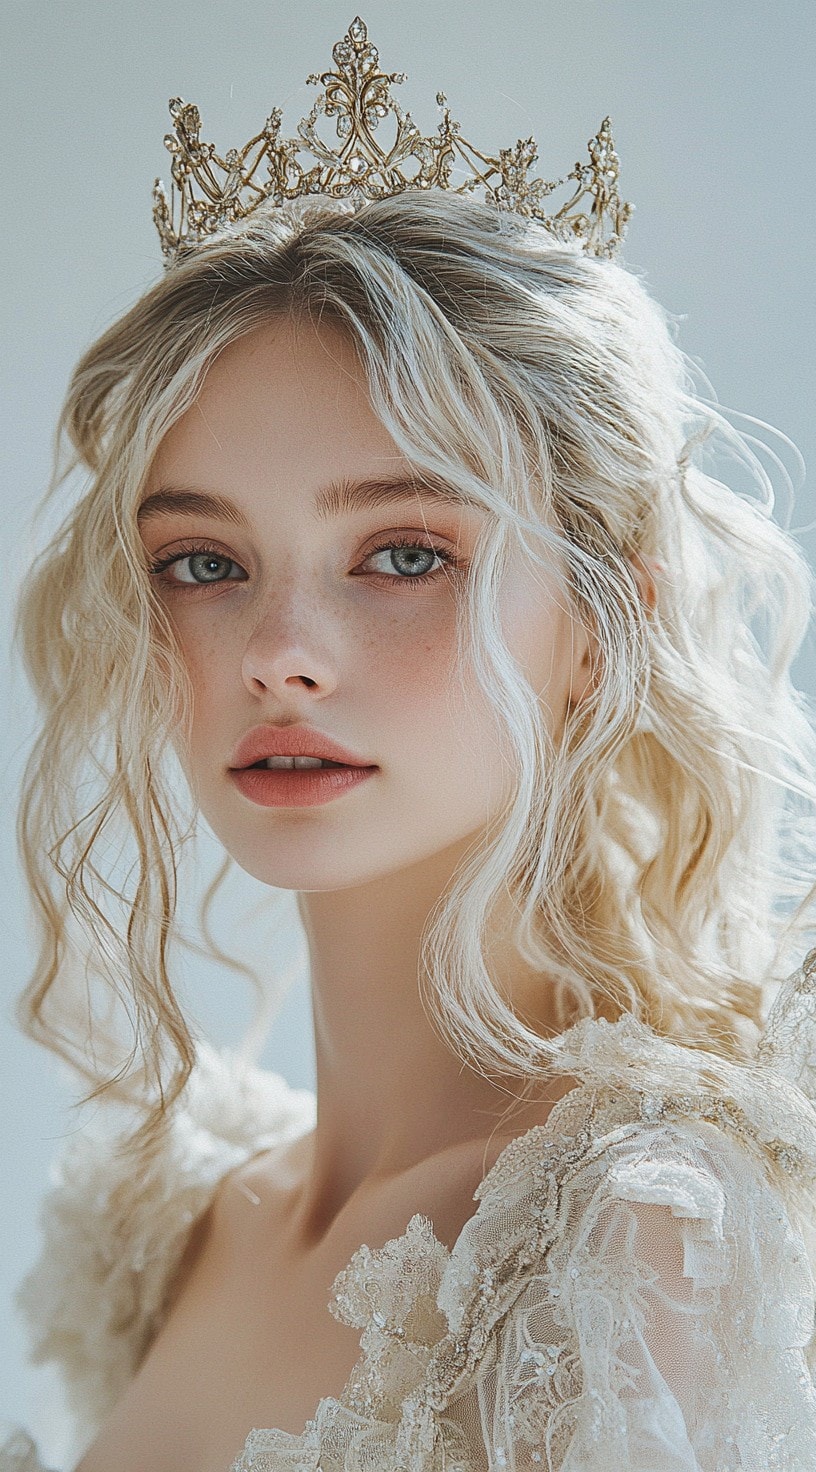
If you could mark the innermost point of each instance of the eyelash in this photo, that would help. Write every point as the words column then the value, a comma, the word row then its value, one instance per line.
column 191, row 549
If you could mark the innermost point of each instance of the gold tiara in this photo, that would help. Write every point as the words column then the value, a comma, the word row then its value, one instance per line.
column 209, row 193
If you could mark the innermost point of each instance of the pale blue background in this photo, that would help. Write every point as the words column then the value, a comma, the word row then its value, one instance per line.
column 712, row 107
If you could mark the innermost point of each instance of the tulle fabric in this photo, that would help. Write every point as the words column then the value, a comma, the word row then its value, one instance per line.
column 635, row 1289
column 627, row 1296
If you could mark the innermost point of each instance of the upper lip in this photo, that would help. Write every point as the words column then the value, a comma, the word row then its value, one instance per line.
column 263, row 741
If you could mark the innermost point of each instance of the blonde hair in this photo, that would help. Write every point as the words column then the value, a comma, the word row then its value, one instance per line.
column 664, row 866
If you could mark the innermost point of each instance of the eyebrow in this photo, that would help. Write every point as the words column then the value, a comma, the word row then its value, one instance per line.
column 332, row 500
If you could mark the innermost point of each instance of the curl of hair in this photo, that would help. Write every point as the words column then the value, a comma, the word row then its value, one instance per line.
column 659, row 855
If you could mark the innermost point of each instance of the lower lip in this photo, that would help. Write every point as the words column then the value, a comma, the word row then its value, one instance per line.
column 282, row 787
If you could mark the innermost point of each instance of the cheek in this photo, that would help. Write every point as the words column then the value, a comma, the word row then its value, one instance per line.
column 409, row 673
column 210, row 654
column 170, row 650
column 539, row 634
column 439, row 720
column 211, row 662
column 413, row 679
column 209, row 647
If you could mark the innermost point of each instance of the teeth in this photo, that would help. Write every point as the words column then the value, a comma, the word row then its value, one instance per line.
column 299, row 762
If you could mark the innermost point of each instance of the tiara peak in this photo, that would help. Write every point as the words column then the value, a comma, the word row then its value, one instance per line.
column 209, row 193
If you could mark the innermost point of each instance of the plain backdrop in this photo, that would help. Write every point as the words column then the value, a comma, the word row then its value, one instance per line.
column 712, row 106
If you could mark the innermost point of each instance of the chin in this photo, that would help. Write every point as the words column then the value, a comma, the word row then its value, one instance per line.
column 312, row 872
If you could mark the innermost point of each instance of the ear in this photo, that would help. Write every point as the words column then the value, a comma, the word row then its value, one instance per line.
column 645, row 571
column 584, row 656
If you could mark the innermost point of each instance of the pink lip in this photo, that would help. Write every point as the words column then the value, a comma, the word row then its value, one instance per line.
column 300, row 740
column 278, row 788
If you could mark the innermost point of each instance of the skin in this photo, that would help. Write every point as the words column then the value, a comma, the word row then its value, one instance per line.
column 307, row 625
column 320, row 629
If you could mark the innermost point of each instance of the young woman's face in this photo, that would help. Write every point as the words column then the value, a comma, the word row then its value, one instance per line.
column 296, row 613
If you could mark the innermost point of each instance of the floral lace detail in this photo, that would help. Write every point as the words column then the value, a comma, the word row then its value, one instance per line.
column 391, row 1294
column 544, row 1360
column 635, row 1289
column 788, row 1045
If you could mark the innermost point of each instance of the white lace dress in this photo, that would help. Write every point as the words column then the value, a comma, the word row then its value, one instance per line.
column 633, row 1293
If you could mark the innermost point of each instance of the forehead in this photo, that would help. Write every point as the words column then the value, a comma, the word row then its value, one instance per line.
column 285, row 406
column 283, row 385
column 284, row 409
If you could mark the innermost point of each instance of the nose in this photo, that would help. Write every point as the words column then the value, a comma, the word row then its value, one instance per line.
column 278, row 669
column 287, row 649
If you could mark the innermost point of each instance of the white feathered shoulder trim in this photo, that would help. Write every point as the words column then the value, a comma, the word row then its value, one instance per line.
column 93, row 1297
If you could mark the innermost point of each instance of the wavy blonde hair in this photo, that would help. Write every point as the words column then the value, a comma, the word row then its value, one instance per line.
column 664, row 864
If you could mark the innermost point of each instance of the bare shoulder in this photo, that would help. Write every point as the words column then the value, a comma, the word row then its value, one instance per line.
column 251, row 1210
column 443, row 1186
column 263, row 1181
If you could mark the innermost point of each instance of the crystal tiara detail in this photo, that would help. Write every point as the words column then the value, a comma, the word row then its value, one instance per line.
column 208, row 192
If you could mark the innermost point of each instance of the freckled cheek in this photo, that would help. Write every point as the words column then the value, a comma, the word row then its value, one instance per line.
column 438, row 726
column 212, row 660
column 409, row 674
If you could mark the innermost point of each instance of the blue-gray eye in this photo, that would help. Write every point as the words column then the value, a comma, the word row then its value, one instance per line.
column 206, row 565
column 409, row 559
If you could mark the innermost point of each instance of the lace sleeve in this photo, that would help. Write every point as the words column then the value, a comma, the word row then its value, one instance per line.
column 666, row 1330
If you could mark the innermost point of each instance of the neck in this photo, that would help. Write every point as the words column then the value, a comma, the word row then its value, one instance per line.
column 390, row 1091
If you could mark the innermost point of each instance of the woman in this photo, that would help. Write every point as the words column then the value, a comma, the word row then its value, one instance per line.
column 410, row 486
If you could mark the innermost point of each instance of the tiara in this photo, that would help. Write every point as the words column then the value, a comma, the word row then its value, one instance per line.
column 209, row 193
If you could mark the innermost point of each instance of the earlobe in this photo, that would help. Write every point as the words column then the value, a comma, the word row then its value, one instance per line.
column 645, row 571
column 583, row 666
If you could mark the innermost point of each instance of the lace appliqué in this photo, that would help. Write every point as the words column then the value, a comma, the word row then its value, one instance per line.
column 589, row 1229
column 634, row 1290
